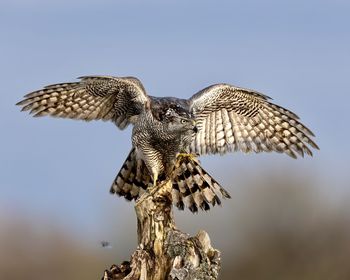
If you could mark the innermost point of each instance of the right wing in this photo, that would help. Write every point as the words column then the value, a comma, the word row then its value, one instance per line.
column 119, row 99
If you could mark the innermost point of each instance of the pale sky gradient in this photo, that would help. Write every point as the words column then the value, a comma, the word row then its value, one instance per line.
column 297, row 52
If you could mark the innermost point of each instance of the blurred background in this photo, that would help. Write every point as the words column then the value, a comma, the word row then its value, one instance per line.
column 287, row 219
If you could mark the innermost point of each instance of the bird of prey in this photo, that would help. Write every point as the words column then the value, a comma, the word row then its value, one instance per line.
column 169, row 133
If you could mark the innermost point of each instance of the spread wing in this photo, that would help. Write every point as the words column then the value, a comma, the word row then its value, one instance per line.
column 120, row 100
column 231, row 118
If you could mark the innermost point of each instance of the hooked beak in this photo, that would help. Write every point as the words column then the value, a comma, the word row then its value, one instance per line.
column 195, row 129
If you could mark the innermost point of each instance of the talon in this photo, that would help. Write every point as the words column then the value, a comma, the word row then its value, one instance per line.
column 184, row 156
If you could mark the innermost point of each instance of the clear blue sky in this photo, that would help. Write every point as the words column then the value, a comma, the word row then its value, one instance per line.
column 297, row 52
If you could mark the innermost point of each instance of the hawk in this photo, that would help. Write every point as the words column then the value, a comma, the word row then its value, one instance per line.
column 169, row 133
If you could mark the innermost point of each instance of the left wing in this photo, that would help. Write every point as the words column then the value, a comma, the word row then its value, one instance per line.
column 230, row 118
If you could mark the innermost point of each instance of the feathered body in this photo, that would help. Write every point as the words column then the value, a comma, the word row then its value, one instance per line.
column 218, row 119
column 165, row 130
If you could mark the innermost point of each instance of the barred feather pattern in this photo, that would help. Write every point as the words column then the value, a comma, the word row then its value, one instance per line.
column 193, row 187
column 236, row 119
column 92, row 98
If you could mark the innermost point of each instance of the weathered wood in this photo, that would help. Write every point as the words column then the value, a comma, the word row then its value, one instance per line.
column 163, row 251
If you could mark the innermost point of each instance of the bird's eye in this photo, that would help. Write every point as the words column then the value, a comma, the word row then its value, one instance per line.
column 183, row 121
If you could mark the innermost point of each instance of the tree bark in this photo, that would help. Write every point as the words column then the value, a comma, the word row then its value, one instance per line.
column 163, row 251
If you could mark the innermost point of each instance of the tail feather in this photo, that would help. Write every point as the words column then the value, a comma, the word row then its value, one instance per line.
column 133, row 178
column 193, row 187
column 199, row 189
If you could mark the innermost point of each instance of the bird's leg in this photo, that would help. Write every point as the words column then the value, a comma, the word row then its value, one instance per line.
column 154, row 172
column 150, row 190
column 155, row 178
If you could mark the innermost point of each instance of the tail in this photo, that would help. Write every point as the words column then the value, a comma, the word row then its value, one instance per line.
column 193, row 187
column 133, row 178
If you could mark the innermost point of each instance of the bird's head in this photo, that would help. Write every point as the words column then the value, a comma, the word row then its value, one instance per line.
column 179, row 119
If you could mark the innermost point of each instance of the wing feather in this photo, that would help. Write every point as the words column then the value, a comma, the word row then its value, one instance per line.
column 230, row 118
column 106, row 98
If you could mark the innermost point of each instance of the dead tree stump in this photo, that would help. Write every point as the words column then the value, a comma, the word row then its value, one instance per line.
column 163, row 252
